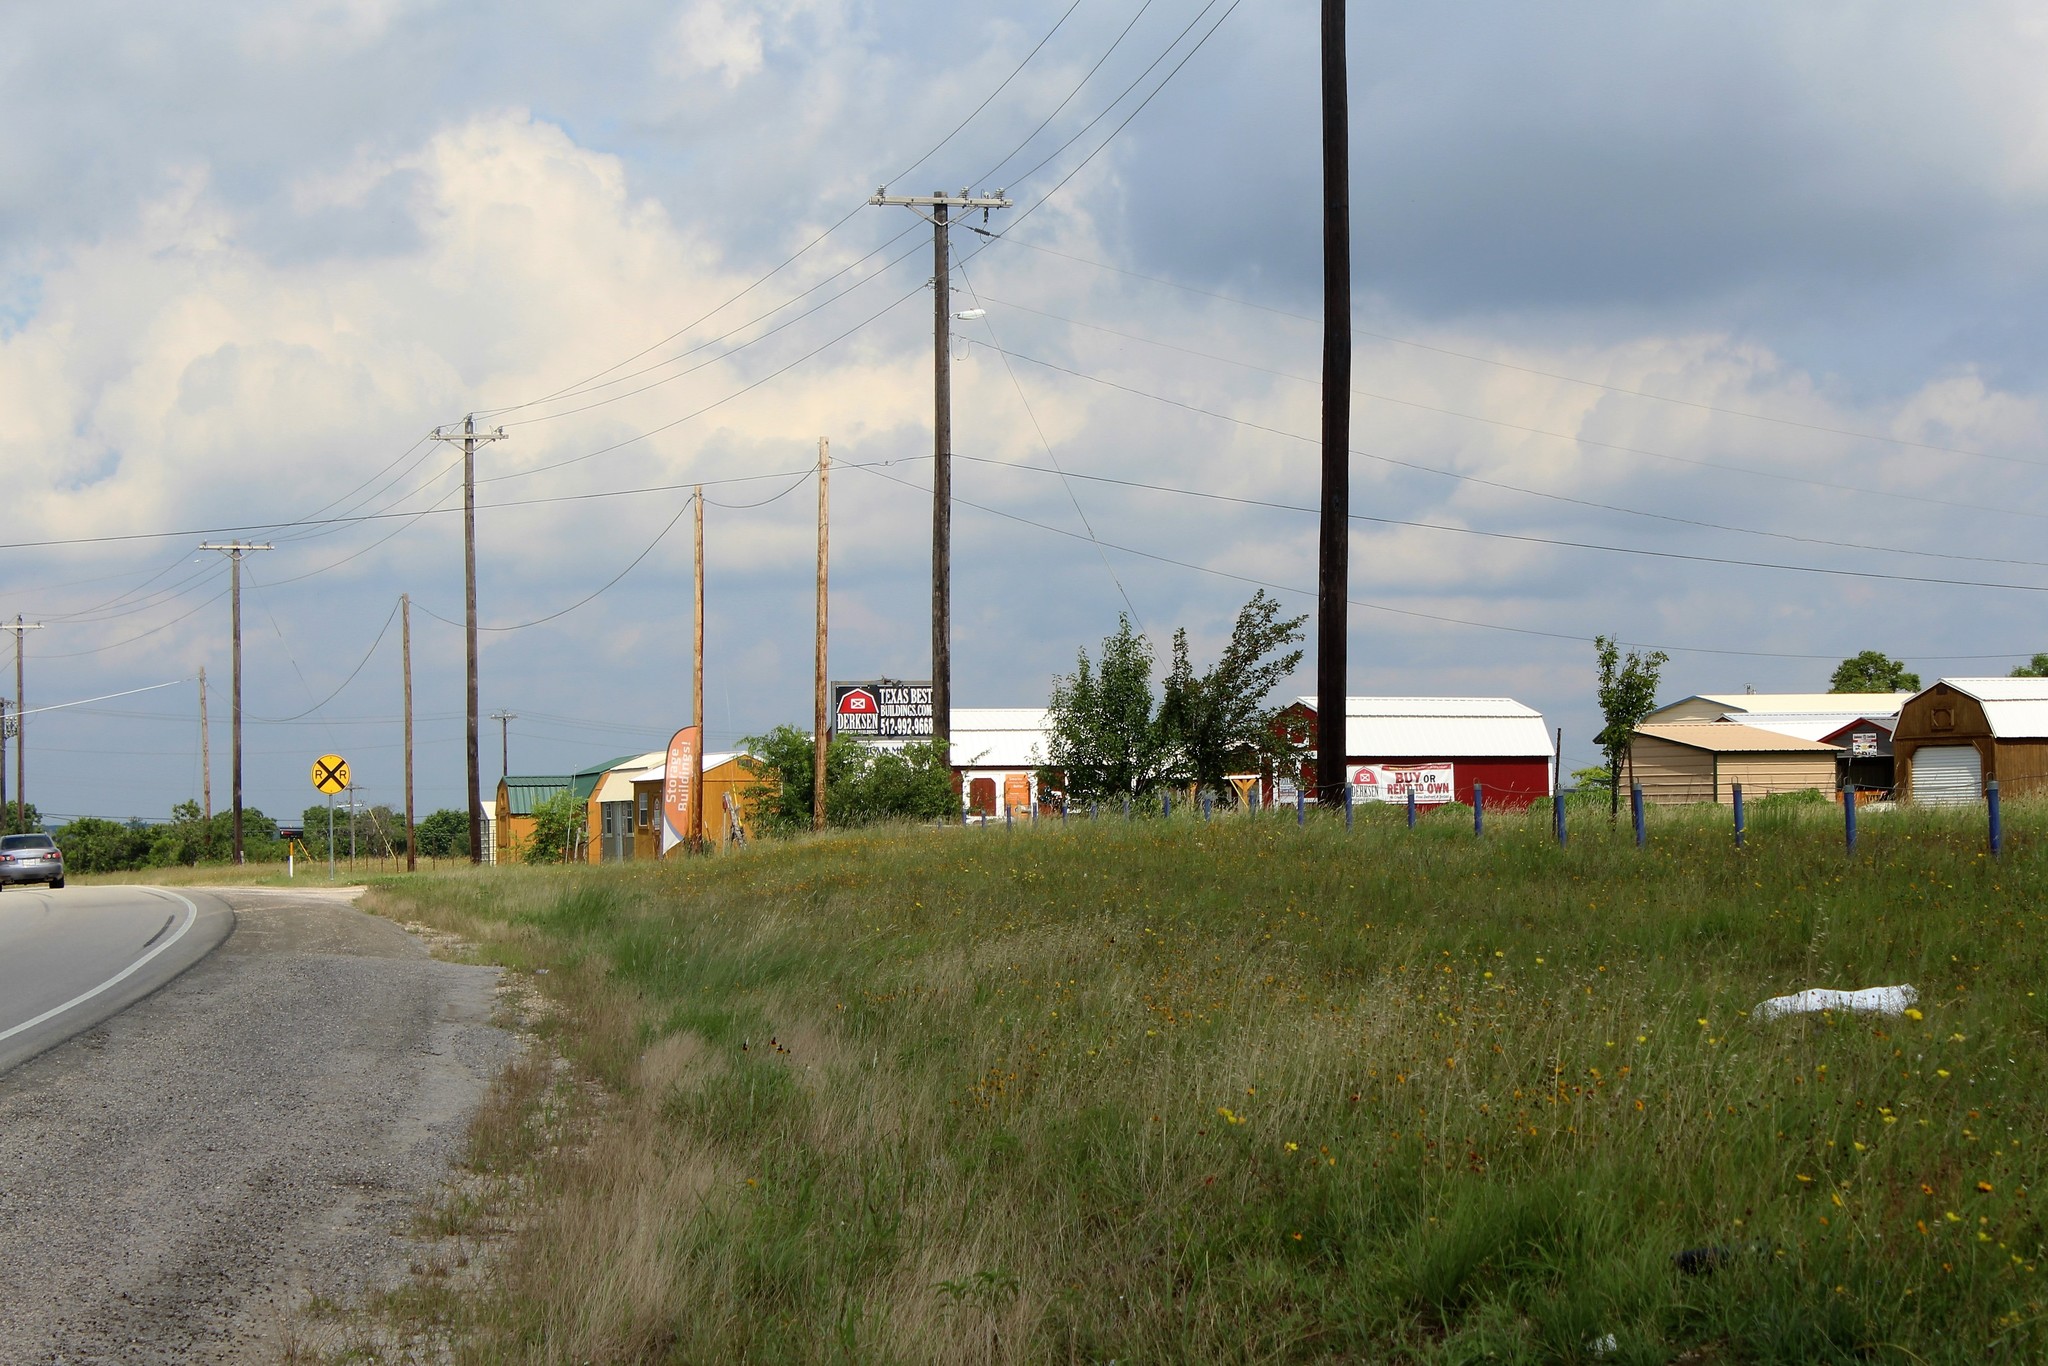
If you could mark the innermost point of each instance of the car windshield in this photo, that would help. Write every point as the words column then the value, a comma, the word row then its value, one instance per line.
column 27, row 842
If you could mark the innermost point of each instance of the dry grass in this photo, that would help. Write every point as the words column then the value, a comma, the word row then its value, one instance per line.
column 1177, row 1091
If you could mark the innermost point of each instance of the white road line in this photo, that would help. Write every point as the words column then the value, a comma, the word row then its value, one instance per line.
column 191, row 915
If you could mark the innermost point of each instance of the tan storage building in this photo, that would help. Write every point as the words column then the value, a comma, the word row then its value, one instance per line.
column 1702, row 761
column 1733, row 706
column 1961, row 733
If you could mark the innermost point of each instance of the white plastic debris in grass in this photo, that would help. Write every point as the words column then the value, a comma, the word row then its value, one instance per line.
column 1869, row 1001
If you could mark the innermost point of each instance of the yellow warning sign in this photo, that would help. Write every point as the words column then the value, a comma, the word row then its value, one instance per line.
column 330, row 774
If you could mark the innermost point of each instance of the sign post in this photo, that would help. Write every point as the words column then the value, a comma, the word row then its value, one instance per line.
column 330, row 775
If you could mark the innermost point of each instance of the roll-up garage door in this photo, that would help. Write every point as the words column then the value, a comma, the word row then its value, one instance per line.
column 1947, row 775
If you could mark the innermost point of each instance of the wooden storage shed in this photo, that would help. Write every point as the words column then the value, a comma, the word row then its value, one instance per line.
column 1701, row 761
column 725, row 775
column 1961, row 733
column 518, row 795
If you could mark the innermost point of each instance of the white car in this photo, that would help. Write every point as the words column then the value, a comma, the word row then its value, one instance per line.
column 30, row 858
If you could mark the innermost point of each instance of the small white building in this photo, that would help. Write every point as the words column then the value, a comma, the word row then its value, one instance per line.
column 997, row 752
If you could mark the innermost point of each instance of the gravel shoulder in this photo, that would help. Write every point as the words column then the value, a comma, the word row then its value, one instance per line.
column 179, row 1182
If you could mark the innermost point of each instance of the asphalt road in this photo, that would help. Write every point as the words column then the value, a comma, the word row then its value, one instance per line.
column 180, row 1180
column 70, row 959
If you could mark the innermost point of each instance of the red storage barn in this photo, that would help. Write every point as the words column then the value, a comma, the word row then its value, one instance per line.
column 1439, row 745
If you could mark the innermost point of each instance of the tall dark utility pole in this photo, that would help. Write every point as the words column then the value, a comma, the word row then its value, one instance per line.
column 20, row 726
column 412, row 857
column 469, row 436
column 1333, row 565
column 940, row 205
column 235, row 550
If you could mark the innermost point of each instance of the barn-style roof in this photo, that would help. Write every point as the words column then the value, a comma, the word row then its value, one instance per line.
column 2016, row 708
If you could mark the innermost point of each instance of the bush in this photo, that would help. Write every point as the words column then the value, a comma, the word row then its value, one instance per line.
column 93, row 845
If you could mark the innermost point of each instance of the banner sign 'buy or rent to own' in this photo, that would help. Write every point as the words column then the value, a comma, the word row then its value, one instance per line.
column 1431, row 783
column 885, row 711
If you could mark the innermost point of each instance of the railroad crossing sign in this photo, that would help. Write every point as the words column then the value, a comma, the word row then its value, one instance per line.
column 330, row 773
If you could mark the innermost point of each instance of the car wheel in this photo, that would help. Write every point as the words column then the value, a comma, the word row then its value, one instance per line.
column 58, row 885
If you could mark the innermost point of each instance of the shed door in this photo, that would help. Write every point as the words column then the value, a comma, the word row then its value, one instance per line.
column 1947, row 775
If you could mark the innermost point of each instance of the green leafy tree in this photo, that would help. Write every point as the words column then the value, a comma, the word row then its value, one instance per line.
column 1873, row 671
column 1104, row 735
column 1219, row 722
column 557, row 821
column 1110, row 743
column 444, row 834
column 863, row 784
column 2037, row 667
column 189, row 838
column 20, row 818
column 93, row 845
column 1628, row 693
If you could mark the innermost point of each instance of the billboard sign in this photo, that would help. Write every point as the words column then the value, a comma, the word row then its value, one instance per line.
column 679, row 788
column 883, row 711
column 1432, row 784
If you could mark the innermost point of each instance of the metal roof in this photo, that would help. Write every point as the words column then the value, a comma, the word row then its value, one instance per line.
column 1441, row 728
column 1000, row 737
column 524, row 792
column 2017, row 708
column 1728, row 737
column 1809, row 725
column 1868, row 703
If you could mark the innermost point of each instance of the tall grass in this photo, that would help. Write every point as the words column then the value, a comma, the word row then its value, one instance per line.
column 1238, row 1090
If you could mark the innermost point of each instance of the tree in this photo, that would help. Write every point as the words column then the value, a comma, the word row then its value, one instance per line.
column 557, row 820
column 1219, row 723
column 1628, row 693
column 863, row 784
column 443, row 834
column 93, row 845
column 31, row 821
column 2037, row 667
column 1873, row 671
column 1110, row 744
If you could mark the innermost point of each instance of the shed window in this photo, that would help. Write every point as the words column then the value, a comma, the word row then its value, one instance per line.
column 642, row 798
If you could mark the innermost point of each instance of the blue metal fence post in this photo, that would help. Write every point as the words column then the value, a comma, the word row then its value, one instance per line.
column 1557, row 816
column 1092, row 813
column 1009, row 817
column 1347, row 806
column 1300, row 807
column 1478, row 808
column 1205, row 806
column 1411, row 808
column 1127, row 808
column 1635, row 808
column 1849, row 816
column 1997, row 826
column 1166, row 803
column 1738, row 815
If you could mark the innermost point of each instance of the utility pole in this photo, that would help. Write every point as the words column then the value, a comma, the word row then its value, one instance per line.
column 469, row 436
column 1333, row 566
column 205, row 749
column 20, row 726
column 697, row 689
column 819, row 705
column 412, row 861
column 3, row 760
column 235, row 550
column 941, row 204
column 504, row 720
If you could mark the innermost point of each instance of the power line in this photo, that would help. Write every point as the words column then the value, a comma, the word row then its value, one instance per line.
column 1567, row 436
column 1015, row 72
column 1391, row 339
column 989, row 176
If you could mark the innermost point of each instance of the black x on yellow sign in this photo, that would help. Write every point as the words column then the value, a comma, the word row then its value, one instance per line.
column 330, row 773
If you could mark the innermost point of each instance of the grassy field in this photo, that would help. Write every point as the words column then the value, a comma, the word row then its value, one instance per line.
column 1237, row 1091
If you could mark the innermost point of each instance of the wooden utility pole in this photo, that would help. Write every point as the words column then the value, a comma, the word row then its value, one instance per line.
column 820, row 705
column 21, row 725
column 412, row 861
column 504, row 720
column 469, row 436
column 3, row 761
column 1333, row 577
column 235, row 550
column 940, row 205
column 205, row 749
column 696, row 832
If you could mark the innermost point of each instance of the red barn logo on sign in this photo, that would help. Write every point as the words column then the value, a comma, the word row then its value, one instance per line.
column 859, row 702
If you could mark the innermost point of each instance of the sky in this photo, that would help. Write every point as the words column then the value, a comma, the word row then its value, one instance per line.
column 1714, row 329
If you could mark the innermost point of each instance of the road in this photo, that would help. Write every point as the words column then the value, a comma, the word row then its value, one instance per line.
column 181, row 1179
column 70, row 959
